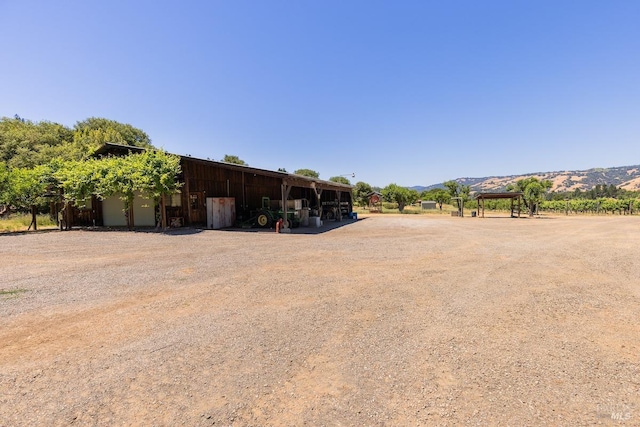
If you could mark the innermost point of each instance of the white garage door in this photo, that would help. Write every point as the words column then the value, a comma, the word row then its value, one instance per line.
column 143, row 212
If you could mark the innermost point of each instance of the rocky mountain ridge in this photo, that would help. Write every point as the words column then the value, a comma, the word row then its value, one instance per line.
column 625, row 177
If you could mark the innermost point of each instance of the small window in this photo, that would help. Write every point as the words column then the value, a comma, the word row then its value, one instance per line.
column 194, row 199
column 175, row 200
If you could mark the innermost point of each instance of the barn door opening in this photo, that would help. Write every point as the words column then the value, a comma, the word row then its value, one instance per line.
column 197, row 209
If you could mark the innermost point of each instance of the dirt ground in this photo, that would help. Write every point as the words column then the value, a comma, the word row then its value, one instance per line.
column 390, row 320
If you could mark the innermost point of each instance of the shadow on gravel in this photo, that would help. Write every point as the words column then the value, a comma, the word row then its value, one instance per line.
column 18, row 233
column 187, row 231
column 327, row 226
column 183, row 231
column 514, row 217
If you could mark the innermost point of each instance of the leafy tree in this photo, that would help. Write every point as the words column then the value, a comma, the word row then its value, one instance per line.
column 441, row 196
column 438, row 195
column 577, row 194
column 307, row 172
column 25, row 144
column 361, row 192
column 460, row 192
column 412, row 196
column 159, row 176
column 4, row 175
column 24, row 189
column 340, row 180
column 153, row 173
column 94, row 132
column 533, row 194
column 234, row 159
column 123, row 178
column 401, row 195
column 533, row 191
column 4, row 188
column 77, row 181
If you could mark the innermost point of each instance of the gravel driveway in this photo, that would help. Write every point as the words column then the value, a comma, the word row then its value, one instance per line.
column 390, row 320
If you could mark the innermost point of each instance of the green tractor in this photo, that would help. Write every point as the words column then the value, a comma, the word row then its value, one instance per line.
column 266, row 217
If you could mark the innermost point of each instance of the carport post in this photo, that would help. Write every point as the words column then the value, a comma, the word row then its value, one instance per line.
column 244, row 191
column 284, row 204
column 318, row 194
column 286, row 189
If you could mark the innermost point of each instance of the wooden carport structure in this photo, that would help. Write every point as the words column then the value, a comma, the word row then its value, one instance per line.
column 481, row 197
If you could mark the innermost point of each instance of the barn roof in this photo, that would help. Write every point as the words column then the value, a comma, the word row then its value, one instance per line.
column 507, row 195
column 297, row 180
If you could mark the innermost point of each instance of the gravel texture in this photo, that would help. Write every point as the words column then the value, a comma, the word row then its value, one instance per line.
column 390, row 320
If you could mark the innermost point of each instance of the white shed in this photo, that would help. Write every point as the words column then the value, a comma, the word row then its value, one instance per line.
column 428, row 204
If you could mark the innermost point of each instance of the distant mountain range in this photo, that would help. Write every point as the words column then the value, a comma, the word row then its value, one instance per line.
column 626, row 177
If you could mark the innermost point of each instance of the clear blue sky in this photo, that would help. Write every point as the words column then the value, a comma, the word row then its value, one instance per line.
column 411, row 92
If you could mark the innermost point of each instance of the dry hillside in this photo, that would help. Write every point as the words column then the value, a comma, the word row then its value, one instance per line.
column 626, row 177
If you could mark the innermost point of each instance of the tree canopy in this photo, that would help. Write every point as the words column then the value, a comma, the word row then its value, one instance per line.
column 91, row 133
column 153, row 173
column 4, row 180
column 361, row 192
column 24, row 189
column 234, row 159
column 438, row 195
column 307, row 172
column 533, row 191
column 340, row 180
column 25, row 144
column 460, row 192
column 401, row 195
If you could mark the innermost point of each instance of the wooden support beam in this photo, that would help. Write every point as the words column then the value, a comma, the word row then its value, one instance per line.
column 244, row 193
column 163, row 212
column 318, row 192
column 187, row 192
column 286, row 190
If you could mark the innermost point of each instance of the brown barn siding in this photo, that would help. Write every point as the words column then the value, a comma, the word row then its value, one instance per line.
column 213, row 181
column 204, row 178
